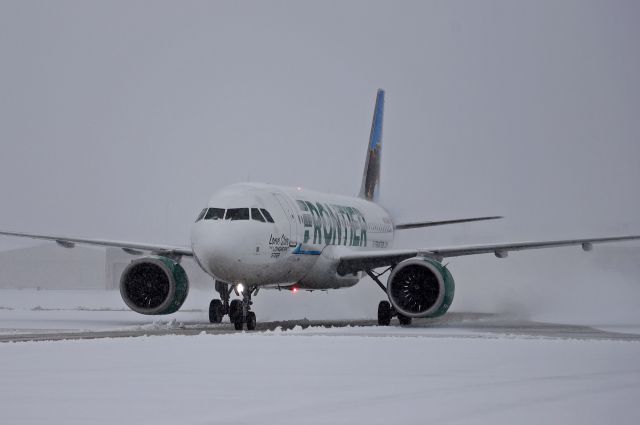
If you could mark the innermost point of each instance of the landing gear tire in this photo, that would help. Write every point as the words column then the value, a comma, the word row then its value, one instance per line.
column 404, row 320
column 251, row 321
column 240, row 311
column 216, row 311
column 235, row 312
column 384, row 313
column 238, row 324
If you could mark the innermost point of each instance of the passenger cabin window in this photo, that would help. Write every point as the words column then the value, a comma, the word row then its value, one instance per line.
column 201, row 215
column 256, row 215
column 214, row 214
column 237, row 214
column 267, row 215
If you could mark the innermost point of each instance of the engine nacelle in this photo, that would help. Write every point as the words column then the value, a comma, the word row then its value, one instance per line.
column 154, row 285
column 420, row 287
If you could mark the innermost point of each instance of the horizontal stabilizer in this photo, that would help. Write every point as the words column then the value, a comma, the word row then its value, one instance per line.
column 403, row 226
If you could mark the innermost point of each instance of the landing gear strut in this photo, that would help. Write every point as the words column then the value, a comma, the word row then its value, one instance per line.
column 385, row 310
column 242, row 311
column 239, row 311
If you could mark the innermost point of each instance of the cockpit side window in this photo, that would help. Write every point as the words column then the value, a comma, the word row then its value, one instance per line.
column 237, row 214
column 201, row 215
column 214, row 214
column 267, row 215
column 256, row 215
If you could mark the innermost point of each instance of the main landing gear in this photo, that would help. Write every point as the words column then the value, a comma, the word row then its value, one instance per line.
column 385, row 310
column 239, row 311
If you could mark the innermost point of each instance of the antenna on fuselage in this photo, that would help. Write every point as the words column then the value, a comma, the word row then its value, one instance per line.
column 371, row 176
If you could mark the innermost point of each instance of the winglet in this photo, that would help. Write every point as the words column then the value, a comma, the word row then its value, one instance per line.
column 371, row 176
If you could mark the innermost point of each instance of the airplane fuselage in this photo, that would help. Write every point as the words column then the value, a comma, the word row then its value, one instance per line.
column 264, row 235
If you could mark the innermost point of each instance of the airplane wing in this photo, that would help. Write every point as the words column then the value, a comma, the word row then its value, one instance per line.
column 416, row 224
column 367, row 260
column 133, row 248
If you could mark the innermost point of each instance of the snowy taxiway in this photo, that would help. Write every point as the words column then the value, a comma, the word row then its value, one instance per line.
column 464, row 368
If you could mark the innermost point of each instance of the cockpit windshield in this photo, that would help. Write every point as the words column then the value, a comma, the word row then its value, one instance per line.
column 237, row 214
column 233, row 214
column 267, row 215
column 201, row 215
column 256, row 215
column 214, row 214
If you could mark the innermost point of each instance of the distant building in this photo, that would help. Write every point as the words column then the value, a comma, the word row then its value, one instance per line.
column 49, row 266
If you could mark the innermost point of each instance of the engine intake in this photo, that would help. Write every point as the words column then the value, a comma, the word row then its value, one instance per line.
column 154, row 285
column 420, row 287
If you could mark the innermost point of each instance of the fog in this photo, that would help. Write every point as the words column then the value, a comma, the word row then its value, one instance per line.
column 120, row 119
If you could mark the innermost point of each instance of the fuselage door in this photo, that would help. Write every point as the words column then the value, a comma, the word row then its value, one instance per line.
column 290, row 212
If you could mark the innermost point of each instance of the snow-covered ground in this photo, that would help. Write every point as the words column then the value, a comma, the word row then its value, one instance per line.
column 292, row 378
column 29, row 310
column 269, row 304
column 373, row 375
column 51, row 311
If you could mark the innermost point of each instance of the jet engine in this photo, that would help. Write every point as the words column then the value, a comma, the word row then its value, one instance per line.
column 154, row 285
column 420, row 287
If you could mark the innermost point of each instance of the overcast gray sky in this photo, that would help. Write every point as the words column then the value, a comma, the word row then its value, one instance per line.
column 119, row 119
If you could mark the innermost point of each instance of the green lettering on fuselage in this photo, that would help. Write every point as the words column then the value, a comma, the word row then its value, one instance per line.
column 303, row 206
column 333, row 224
column 317, row 234
column 327, row 225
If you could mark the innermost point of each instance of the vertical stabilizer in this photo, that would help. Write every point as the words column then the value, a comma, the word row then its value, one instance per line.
column 371, row 176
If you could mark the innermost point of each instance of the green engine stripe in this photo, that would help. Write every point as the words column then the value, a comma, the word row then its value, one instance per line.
column 449, row 288
column 182, row 285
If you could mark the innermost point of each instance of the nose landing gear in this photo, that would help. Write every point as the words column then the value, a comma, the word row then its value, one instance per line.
column 243, row 313
column 219, row 308
column 216, row 311
column 239, row 311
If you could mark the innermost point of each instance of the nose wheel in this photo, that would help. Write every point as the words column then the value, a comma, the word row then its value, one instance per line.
column 243, row 314
column 239, row 311
column 235, row 310
column 216, row 311
column 218, row 308
column 251, row 321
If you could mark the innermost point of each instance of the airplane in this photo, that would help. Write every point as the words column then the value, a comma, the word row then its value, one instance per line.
column 252, row 236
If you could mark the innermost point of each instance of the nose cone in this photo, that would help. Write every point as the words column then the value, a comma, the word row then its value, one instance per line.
column 223, row 248
column 213, row 242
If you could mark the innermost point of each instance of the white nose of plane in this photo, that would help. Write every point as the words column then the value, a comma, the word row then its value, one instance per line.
column 230, row 250
column 231, row 237
column 219, row 247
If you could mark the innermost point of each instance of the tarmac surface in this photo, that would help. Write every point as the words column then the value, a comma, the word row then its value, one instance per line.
column 457, row 325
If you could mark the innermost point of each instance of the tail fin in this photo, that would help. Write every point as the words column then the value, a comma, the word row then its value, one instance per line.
column 371, row 176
